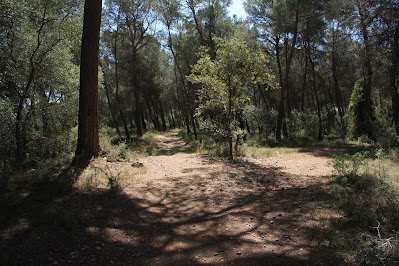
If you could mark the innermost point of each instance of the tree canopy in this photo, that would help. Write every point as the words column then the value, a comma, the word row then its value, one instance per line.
column 187, row 64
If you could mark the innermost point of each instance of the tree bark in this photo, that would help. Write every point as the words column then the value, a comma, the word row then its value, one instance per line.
column 337, row 90
column 367, row 115
column 393, row 78
column 285, row 82
column 88, row 145
column 318, row 108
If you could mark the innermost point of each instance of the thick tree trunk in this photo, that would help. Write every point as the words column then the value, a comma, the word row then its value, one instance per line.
column 367, row 115
column 88, row 145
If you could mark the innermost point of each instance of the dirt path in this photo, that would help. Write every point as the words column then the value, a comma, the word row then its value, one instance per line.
column 204, row 211
column 185, row 209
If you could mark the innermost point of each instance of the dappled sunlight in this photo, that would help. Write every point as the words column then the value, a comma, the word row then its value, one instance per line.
column 189, row 209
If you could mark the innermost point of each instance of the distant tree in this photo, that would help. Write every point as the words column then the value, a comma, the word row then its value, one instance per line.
column 361, row 123
column 88, row 141
column 225, row 83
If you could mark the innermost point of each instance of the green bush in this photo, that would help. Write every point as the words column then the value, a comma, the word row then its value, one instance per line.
column 347, row 166
column 362, row 120
column 304, row 124
column 115, row 151
column 7, row 140
column 258, row 119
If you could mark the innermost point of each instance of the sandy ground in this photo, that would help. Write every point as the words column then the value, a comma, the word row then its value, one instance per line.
column 186, row 209
column 218, row 212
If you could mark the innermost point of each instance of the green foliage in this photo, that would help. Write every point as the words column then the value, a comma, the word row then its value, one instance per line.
column 369, row 199
column 264, row 121
column 7, row 140
column 361, row 116
column 225, row 82
column 347, row 166
column 112, row 148
column 40, row 77
column 303, row 124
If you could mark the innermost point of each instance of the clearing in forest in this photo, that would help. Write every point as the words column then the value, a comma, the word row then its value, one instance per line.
column 189, row 208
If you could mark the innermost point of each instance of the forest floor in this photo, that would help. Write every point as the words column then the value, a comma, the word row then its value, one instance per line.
column 185, row 208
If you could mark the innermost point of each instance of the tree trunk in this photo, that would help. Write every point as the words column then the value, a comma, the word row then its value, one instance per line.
column 125, row 125
column 88, row 145
column 111, row 110
column 229, row 120
column 305, row 72
column 162, row 114
column 281, row 108
column 337, row 90
column 194, row 128
column 285, row 82
column 318, row 108
column 367, row 115
column 393, row 78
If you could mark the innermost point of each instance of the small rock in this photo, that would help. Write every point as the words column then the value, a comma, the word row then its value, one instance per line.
column 137, row 164
column 98, row 248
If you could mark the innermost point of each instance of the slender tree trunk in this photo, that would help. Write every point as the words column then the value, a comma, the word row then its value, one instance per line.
column 188, row 124
column 136, row 93
column 162, row 114
column 318, row 108
column 173, row 125
column 393, row 78
column 285, row 83
column 111, row 109
column 229, row 120
column 88, row 140
column 125, row 125
column 143, row 123
column 337, row 90
column 305, row 72
column 281, row 108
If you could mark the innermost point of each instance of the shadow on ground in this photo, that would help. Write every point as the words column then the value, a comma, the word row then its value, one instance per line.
column 244, row 216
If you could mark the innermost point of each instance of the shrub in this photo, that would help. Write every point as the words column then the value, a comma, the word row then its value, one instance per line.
column 347, row 166
column 258, row 119
column 362, row 119
column 7, row 140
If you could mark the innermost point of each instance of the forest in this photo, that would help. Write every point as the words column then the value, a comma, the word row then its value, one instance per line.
column 170, row 132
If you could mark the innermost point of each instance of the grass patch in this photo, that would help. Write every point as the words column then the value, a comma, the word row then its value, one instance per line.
column 100, row 174
column 146, row 145
column 266, row 152
column 366, row 192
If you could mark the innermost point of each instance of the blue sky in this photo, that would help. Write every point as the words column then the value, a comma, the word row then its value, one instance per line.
column 237, row 8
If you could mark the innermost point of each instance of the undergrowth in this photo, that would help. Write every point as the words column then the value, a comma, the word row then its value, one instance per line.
column 367, row 191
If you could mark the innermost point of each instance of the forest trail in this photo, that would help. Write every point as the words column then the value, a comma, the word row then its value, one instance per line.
column 183, row 208
column 201, row 210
